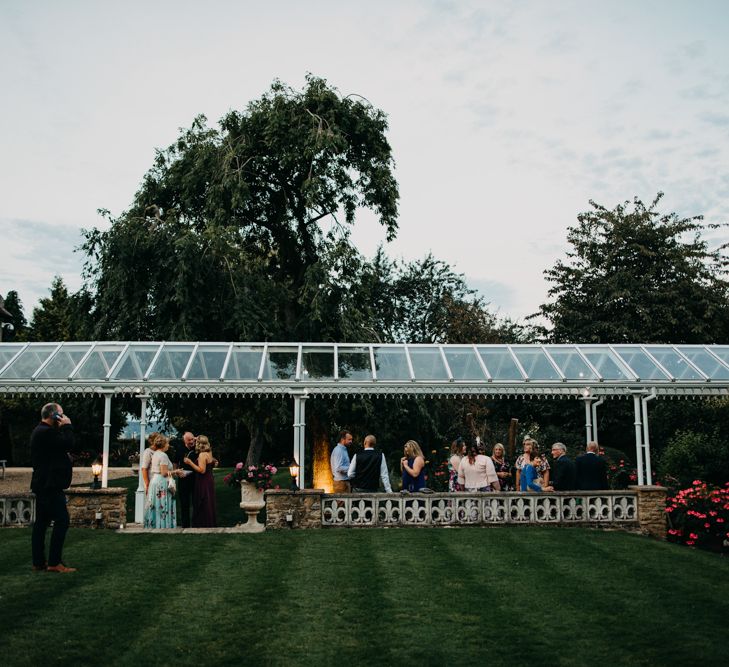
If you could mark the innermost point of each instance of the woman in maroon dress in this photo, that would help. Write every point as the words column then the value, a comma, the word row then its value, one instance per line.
column 203, row 497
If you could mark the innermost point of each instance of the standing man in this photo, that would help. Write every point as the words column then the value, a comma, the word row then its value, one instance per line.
column 368, row 468
column 591, row 469
column 339, row 462
column 186, row 484
column 50, row 444
column 565, row 475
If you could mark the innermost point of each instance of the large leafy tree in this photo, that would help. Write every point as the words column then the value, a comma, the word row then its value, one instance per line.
column 230, row 232
column 636, row 274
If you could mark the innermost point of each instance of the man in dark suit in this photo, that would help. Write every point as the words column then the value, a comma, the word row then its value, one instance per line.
column 186, row 484
column 591, row 469
column 565, row 475
column 50, row 444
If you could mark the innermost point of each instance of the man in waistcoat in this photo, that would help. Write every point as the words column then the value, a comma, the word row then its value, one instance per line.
column 369, row 468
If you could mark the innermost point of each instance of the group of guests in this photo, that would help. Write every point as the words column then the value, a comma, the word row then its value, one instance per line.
column 470, row 468
column 190, row 478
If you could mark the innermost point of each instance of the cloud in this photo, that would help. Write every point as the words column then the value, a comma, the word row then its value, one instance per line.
column 715, row 118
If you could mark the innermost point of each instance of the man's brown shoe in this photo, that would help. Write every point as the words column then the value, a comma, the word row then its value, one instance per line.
column 60, row 568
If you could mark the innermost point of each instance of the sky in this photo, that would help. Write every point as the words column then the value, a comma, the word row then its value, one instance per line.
column 505, row 118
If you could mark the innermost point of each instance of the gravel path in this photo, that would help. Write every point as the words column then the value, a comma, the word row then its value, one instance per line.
column 18, row 479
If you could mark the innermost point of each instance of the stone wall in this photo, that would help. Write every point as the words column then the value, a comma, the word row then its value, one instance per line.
column 303, row 508
column 652, row 510
column 84, row 504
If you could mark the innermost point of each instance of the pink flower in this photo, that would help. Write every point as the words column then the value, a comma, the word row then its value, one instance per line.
column 239, row 466
column 693, row 536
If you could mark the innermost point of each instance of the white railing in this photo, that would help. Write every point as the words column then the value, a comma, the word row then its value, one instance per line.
column 458, row 509
column 17, row 510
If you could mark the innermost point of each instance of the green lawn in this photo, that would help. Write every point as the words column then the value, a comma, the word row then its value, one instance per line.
column 470, row 596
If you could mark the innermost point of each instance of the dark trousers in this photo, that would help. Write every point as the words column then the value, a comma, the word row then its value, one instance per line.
column 49, row 507
column 185, row 488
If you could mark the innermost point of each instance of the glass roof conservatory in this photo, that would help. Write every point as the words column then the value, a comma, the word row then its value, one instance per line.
column 302, row 370
column 329, row 368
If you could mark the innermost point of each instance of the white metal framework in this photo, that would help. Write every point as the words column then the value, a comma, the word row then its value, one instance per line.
column 588, row 372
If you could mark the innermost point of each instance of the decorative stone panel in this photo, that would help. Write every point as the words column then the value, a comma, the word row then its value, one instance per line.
column 302, row 507
column 652, row 510
column 85, row 504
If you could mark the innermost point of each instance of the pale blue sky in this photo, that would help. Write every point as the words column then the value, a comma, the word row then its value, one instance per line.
column 505, row 117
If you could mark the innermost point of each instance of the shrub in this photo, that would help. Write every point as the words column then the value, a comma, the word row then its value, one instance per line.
column 689, row 456
column 699, row 516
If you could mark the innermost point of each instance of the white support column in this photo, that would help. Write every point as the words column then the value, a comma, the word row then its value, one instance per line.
column 588, row 418
column 594, row 419
column 140, row 495
column 647, row 440
column 300, row 436
column 107, row 434
column 302, row 442
column 638, row 438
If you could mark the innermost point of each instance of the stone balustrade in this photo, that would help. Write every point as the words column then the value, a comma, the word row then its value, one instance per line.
column 638, row 508
column 102, row 508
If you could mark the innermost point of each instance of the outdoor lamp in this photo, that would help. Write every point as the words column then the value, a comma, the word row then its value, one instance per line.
column 294, row 472
column 96, row 469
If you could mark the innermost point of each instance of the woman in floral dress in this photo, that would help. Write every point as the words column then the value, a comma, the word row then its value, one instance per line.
column 160, row 505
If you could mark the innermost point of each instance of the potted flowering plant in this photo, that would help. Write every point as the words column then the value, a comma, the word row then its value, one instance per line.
column 259, row 476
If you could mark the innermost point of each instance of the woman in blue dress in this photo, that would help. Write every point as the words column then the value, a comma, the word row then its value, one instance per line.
column 160, row 506
column 413, row 467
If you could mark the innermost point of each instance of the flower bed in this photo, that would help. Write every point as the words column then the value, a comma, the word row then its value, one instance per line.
column 699, row 516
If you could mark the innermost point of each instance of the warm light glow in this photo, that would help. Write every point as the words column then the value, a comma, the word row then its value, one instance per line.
column 294, row 469
column 96, row 468
column 322, row 471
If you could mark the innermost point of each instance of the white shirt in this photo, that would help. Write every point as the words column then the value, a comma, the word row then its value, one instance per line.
column 159, row 459
column 384, row 476
column 147, row 458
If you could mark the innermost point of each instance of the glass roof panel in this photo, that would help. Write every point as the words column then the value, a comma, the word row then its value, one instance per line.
column 391, row 363
column 67, row 358
column 354, row 363
column 208, row 362
column 706, row 362
column 721, row 351
column 571, row 364
column 245, row 362
column 643, row 366
column 535, row 363
column 427, row 363
column 135, row 362
column 674, row 363
column 29, row 361
column 500, row 364
column 463, row 363
column 281, row 363
column 99, row 362
column 8, row 351
column 171, row 362
column 317, row 363
column 609, row 365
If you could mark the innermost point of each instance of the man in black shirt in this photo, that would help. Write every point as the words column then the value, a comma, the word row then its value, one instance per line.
column 50, row 444
column 591, row 469
column 186, row 485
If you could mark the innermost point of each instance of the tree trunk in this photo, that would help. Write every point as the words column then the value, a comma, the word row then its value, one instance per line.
column 256, row 447
column 322, row 472
column 513, row 424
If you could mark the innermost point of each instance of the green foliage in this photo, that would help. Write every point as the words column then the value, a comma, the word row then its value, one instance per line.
column 690, row 456
column 62, row 316
column 14, row 306
column 636, row 275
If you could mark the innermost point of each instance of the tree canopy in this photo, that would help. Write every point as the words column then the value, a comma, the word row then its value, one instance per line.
column 635, row 274
column 234, row 228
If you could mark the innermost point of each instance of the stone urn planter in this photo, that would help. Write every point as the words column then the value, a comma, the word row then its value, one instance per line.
column 251, row 502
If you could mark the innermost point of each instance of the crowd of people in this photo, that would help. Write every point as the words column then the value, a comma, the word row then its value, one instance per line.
column 190, row 478
column 470, row 468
